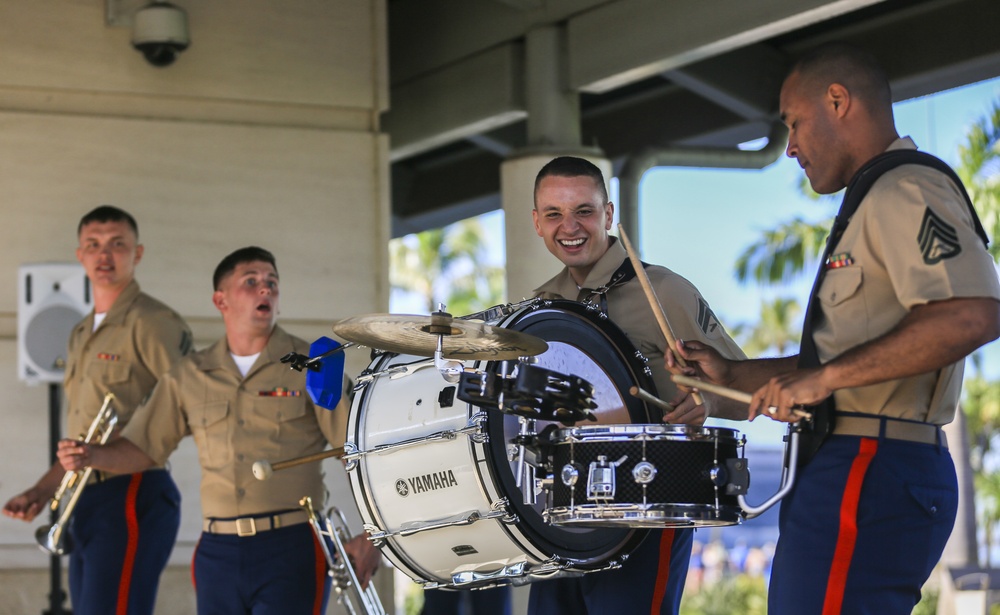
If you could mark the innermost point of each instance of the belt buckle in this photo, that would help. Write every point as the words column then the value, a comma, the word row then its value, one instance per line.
column 242, row 523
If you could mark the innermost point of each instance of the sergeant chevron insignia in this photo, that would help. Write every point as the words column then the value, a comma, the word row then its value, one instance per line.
column 938, row 240
column 706, row 318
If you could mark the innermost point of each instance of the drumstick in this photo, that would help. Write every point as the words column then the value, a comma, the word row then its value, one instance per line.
column 263, row 469
column 654, row 303
column 648, row 397
column 722, row 391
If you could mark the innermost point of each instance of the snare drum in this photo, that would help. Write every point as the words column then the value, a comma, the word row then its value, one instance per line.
column 435, row 477
column 647, row 476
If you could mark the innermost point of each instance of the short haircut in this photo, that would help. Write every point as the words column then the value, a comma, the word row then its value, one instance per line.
column 108, row 213
column 851, row 67
column 249, row 254
column 571, row 166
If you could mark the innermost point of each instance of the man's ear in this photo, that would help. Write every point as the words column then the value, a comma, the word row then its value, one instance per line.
column 219, row 300
column 839, row 98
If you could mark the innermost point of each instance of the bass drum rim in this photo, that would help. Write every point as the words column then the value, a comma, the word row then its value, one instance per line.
column 576, row 544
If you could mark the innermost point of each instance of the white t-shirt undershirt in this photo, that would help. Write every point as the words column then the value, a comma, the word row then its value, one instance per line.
column 244, row 363
column 98, row 319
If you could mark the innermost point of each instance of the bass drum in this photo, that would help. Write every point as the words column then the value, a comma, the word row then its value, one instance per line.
column 435, row 478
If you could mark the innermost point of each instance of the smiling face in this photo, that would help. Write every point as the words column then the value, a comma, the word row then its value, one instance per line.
column 248, row 297
column 571, row 215
column 109, row 252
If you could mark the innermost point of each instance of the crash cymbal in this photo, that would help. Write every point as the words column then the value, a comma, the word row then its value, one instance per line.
column 418, row 335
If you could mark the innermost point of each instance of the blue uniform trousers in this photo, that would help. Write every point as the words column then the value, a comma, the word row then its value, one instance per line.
column 650, row 581
column 123, row 531
column 278, row 572
column 492, row 601
column 863, row 527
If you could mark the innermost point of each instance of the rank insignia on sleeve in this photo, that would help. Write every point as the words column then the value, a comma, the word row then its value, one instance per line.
column 706, row 318
column 938, row 240
column 105, row 356
column 279, row 392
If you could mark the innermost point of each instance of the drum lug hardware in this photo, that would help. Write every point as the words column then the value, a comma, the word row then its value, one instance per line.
column 351, row 456
column 503, row 506
column 640, row 357
column 570, row 474
column 644, row 472
column 415, row 527
column 601, row 478
column 739, row 473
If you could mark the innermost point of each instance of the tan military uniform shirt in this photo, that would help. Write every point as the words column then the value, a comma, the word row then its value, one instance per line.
column 688, row 313
column 138, row 341
column 238, row 420
column 911, row 241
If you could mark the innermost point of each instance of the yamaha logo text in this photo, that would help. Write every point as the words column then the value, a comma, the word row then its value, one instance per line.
column 426, row 482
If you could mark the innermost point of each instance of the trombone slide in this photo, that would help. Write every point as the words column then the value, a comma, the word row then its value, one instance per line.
column 356, row 600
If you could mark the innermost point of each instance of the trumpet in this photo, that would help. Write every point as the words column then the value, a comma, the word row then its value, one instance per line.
column 357, row 601
column 52, row 538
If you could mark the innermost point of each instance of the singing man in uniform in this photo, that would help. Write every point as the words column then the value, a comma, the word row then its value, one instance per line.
column 906, row 291
column 124, row 526
column 257, row 553
column 573, row 215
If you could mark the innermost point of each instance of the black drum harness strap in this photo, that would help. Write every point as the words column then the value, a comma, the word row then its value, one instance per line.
column 813, row 434
column 623, row 274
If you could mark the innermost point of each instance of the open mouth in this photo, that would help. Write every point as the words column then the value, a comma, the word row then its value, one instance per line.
column 264, row 308
column 572, row 243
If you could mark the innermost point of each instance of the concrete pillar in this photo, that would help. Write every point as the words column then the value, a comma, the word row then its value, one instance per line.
column 553, row 109
column 553, row 130
column 529, row 262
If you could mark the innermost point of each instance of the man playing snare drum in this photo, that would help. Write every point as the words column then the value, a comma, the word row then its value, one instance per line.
column 573, row 215
column 257, row 553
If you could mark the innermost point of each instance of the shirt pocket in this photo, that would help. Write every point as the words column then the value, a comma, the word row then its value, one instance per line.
column 840, row 285
column 843, row 304
column 211, row 432
column 291, row 422
column 110, row 372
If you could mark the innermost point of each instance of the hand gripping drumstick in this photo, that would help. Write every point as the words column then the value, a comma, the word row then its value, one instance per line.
column 263, row 470
column 654, row 303
column 722, row 391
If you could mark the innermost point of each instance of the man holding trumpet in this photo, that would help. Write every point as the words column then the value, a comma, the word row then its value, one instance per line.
column 573, row 215
column 123, row 526
column 257, row 553
column 905, row 292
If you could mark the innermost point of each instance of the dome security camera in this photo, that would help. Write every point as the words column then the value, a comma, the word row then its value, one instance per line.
column 160, row 32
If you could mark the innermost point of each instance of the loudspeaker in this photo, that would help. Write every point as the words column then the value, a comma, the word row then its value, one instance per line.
column 51, row 299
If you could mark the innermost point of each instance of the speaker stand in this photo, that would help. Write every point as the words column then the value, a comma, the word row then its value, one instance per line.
column 57, row 596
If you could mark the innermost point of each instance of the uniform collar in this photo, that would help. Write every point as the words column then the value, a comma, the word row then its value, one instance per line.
column 564, row 285
column 218, row 356
column 121, row 306
column 902, row 143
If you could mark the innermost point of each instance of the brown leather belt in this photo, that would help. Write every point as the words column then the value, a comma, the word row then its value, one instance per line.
column 251, row 526
column 871, row 427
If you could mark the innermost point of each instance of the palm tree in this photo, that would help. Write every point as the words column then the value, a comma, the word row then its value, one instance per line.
column 445, row 265
column 778, row 330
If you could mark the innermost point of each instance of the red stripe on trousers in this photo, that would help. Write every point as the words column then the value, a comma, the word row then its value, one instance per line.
column 320, row 558
column 847, row 534
column 194, row 558
column 662, row 571
column 132, row 525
